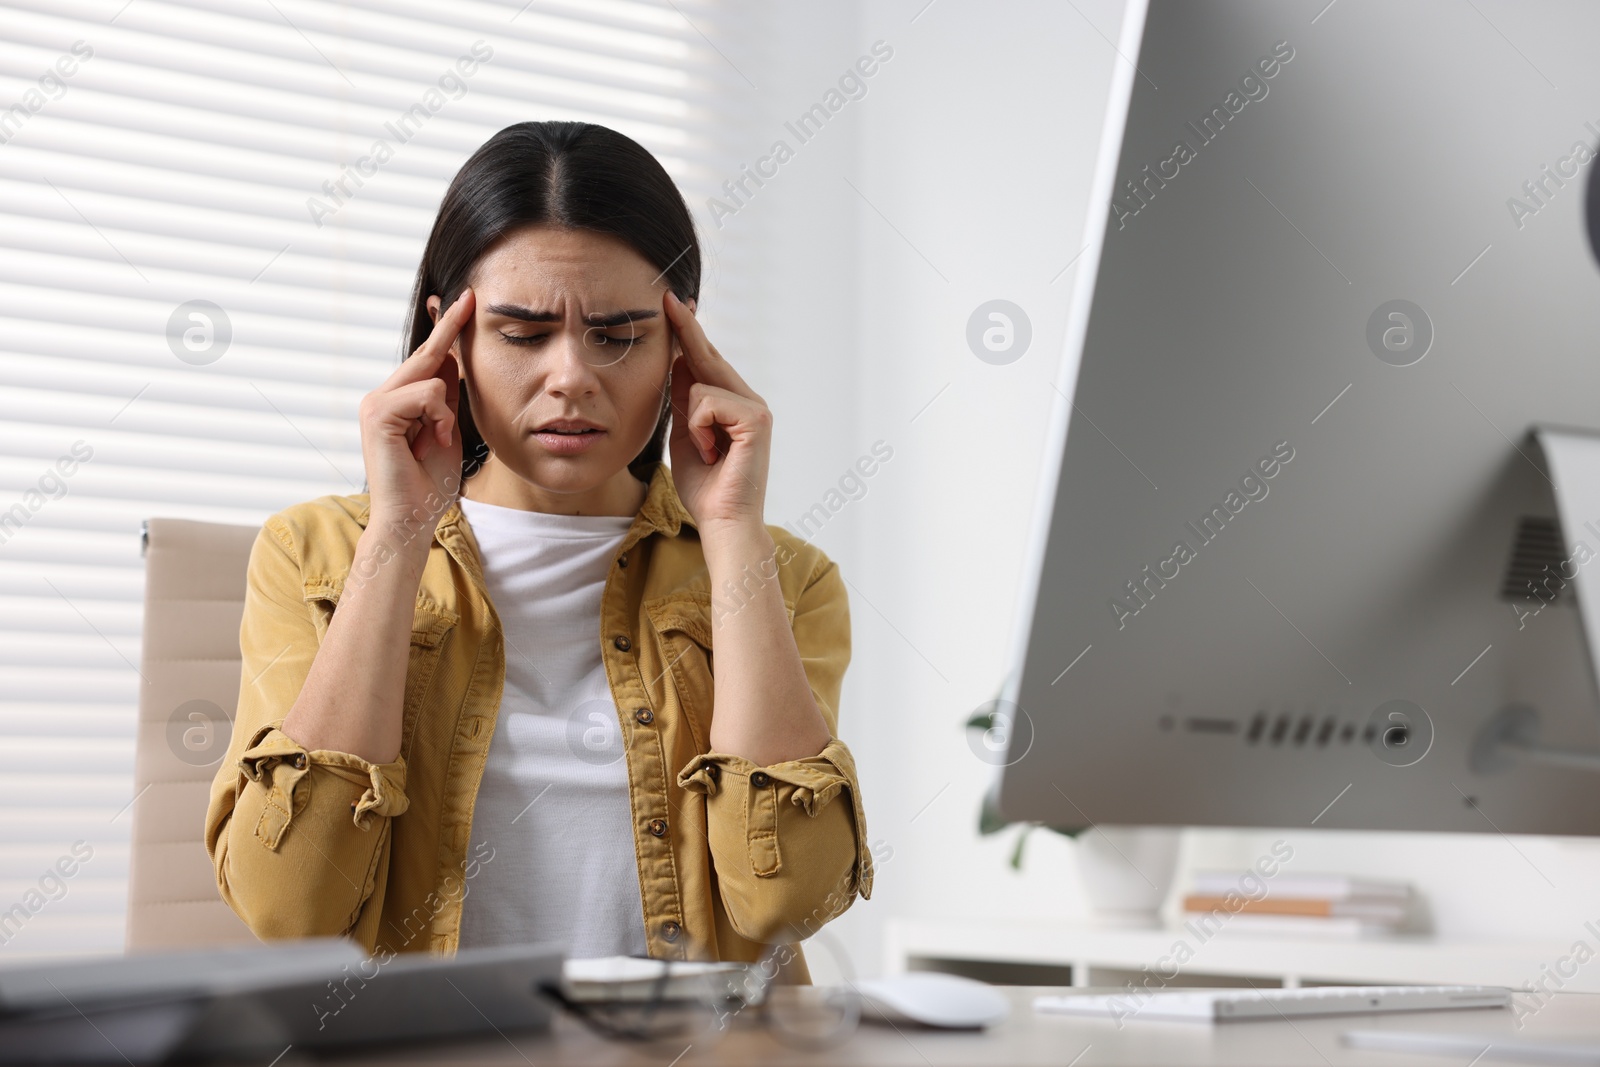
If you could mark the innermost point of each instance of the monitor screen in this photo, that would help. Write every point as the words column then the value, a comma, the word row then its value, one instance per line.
column 1298, row 546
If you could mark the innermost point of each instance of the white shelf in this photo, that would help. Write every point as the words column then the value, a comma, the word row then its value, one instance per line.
column 1230, row 954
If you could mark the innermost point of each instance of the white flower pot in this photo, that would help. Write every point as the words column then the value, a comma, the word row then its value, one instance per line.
column 1127, row 872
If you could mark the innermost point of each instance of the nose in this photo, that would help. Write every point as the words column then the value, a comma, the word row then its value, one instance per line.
column 567, row 372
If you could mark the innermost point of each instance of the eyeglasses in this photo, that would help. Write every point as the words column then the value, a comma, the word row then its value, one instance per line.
column 814, row 1018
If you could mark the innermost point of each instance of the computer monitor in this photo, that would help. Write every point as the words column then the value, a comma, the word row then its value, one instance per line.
column 1323, row 485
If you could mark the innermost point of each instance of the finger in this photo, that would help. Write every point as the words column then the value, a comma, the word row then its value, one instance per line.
column 709, row 366
column 425, row 361
column 734, row 413
column 416, row 409
column 713, row 410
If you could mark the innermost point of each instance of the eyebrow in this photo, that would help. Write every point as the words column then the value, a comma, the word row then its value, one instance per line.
column 616, row 318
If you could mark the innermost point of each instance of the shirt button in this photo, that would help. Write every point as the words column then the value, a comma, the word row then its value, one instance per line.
column 622, row 561
column 658, row 827
column 760, row 779
column 300, row 761
column 670, row 930
column 644, row 716
column 713, row 771
column 622, row 643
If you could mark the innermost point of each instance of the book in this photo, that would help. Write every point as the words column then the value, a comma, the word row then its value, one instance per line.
column 1302, row 886
column 1378, row 911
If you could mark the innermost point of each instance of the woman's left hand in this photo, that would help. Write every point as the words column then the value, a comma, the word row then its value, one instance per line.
column 721, row 432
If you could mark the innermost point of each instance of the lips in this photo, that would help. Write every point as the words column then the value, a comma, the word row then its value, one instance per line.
column 570, row 426
column 570, row 437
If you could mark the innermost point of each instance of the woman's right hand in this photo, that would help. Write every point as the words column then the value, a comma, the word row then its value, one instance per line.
column 409, row 438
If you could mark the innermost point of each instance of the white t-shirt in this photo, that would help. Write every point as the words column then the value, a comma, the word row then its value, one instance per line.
column 554, row 801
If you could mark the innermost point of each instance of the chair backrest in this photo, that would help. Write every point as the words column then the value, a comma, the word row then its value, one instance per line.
column 193, row 604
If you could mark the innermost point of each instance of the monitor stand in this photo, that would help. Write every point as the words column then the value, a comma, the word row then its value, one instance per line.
column 1573, row 459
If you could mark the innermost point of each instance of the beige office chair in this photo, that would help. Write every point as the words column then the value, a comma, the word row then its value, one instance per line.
column 193, row 603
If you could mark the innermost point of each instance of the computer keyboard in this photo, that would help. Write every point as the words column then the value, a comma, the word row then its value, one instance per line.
column 1218, row 1005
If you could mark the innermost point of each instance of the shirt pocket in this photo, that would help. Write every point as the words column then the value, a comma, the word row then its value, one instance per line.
column 682, row 623
column 431, row 624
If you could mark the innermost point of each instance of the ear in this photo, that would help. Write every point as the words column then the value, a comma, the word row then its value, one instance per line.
column 435, row 305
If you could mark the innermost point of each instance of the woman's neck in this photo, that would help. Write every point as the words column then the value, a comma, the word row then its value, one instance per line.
column 494, row 483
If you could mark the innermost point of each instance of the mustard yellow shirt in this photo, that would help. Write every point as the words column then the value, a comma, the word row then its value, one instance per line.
column 732, row 857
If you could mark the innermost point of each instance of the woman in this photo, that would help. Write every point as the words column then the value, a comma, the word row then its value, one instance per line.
column 493, row 718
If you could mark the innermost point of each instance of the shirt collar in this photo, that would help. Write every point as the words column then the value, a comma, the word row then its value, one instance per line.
column 663, row 510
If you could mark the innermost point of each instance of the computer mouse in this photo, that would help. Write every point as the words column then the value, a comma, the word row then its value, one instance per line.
column 933, row 999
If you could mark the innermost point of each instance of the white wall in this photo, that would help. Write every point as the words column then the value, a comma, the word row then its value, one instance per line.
column 977, row 152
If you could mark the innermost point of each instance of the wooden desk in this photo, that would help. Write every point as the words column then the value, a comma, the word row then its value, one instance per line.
column 1024, row 1038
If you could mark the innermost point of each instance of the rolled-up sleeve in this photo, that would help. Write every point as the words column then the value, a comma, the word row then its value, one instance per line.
column 789, row 840
column 297, row 836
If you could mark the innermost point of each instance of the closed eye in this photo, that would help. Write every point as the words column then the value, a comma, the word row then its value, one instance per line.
column 601, row 339
column 523, row 339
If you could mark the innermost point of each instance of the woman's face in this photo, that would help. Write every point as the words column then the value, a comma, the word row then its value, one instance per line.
column 565, row 359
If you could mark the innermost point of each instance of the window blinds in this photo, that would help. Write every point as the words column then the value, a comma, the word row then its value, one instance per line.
column 204, row 262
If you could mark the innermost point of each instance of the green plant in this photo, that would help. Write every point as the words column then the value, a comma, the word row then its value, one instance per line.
column 990, row 821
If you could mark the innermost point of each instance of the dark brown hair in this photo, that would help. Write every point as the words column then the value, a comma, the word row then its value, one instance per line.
column 572, row 174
